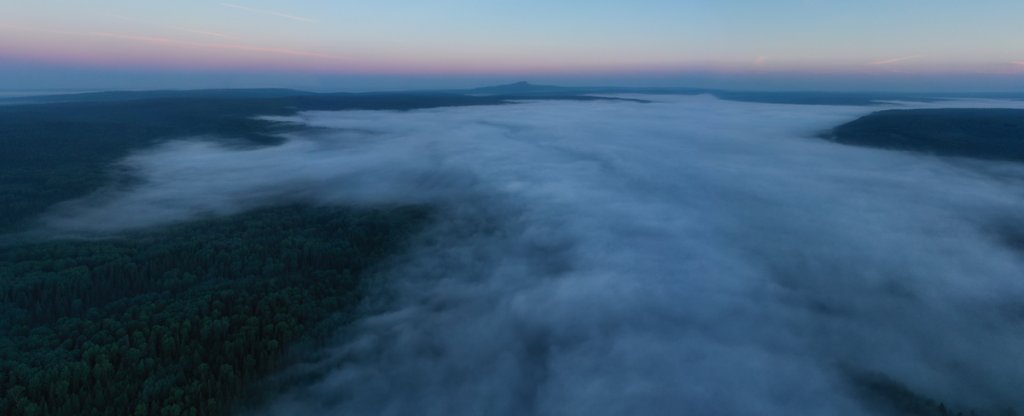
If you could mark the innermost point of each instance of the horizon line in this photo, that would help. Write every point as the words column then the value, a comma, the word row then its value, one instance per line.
column 570, row 88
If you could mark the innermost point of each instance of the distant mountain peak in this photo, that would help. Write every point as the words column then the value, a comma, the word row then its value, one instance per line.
column 521, row 87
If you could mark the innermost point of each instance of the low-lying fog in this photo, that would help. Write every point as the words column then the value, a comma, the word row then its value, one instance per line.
column 686, row 256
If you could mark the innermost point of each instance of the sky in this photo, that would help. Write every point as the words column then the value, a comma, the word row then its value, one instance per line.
column 391, row 44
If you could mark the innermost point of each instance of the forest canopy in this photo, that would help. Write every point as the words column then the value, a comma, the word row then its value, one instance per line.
column 179, row 321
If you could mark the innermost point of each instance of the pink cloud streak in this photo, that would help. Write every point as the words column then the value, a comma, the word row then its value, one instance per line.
column 896, row 60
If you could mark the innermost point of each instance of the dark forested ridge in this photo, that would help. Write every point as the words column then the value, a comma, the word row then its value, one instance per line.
column 55, row 151
column 56, row 148
column 996, row 134
column 178, row 321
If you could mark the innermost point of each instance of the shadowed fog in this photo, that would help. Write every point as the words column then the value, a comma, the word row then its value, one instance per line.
column 689, row 255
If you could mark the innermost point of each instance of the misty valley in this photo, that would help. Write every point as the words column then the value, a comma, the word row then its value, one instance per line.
column 511, row 250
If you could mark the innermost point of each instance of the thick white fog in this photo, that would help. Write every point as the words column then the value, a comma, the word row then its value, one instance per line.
column 686, row 256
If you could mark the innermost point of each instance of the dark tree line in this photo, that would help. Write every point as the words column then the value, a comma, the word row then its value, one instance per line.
column 63, row 148
column 996, row 134
column 179, row 321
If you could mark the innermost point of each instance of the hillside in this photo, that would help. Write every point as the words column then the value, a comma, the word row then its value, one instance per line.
column 995, row 134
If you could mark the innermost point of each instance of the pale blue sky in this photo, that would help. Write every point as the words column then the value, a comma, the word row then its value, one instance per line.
column 844, row 44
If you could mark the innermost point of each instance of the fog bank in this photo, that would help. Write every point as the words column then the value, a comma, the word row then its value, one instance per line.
column 687, row 256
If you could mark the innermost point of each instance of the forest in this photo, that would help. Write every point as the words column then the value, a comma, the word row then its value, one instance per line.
column 60, row 148
column 992, row 134
column 179, row 321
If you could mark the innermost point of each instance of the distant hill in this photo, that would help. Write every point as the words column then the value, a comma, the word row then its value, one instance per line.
column 523, row 87
column 995, row 134
column 520, row 89
column 148, row 95
column 526, row 89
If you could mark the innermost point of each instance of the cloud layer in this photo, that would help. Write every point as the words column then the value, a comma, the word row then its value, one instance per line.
column 690, row 256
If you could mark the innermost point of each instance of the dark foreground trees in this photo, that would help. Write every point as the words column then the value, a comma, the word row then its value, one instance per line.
column 179, row 321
